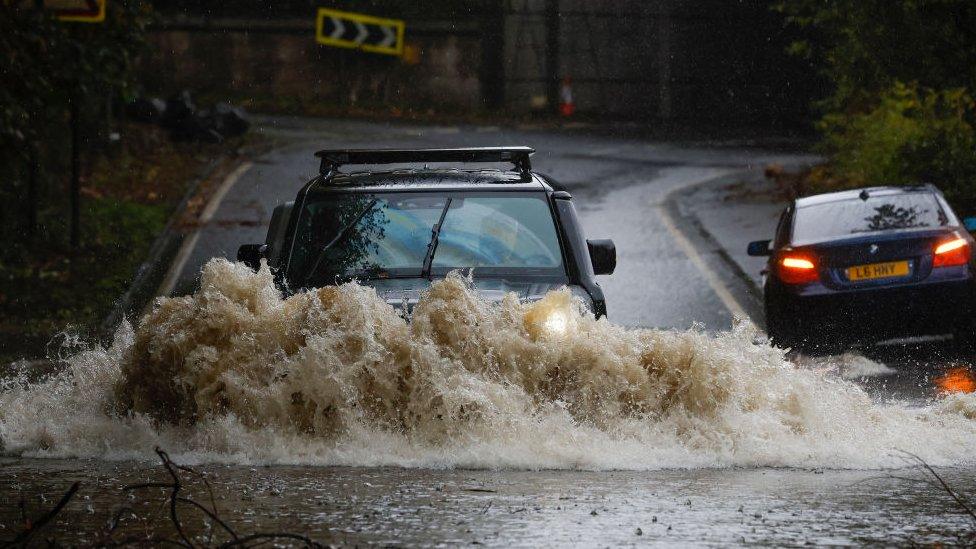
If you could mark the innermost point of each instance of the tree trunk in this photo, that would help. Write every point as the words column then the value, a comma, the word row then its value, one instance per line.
column 75, row 188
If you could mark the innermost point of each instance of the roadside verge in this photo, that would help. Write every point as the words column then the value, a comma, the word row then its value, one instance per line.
column 152, row 272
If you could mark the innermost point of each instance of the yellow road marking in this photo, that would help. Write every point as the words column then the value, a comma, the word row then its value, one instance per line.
column 723, row 293
column 190, row 242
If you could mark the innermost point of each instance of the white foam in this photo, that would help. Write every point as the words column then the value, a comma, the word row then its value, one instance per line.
column 237, row 374
column 849, row 365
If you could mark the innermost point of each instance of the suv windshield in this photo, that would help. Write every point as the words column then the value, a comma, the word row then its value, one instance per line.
column 819, row 222
column 385, row 235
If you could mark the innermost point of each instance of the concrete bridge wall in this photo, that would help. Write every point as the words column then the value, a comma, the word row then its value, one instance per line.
column 668, row 60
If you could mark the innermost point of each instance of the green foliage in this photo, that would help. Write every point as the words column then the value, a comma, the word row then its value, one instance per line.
column 903, row 73
column 865, row 46
column 119, row 226
column 118, row 233
column 45, row 66
column 45, row 291
column 45, row 63
column 913, row 135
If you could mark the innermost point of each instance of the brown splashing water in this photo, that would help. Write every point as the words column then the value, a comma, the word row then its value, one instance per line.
column 235, row 373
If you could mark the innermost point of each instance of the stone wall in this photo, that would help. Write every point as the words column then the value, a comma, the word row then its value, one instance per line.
column 673, row 60
column 666, row 60
column 292, row 67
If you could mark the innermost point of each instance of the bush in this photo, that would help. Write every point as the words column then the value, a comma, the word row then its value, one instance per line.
column 863, row 47
column 47, row 291
column 47, row 67
column 877, row 130
column 912, row 136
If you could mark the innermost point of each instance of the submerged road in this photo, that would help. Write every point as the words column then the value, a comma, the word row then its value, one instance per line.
column 620, row 186
column 405, row 507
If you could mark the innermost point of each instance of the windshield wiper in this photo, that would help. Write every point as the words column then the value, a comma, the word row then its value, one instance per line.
column 338, row 238
column 435, row 235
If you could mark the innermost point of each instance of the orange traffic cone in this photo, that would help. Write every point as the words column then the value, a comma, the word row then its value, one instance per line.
column 566, row 105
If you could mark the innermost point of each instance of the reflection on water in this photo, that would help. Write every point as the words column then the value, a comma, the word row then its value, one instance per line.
column 391, row 506
column 956, row 380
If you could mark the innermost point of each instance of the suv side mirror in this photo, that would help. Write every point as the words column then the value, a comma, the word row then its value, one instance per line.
column 759, row 248
column 969, row 223
column 252, row 254
column 603, row 255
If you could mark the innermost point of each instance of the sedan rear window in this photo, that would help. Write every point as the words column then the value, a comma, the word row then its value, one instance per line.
column 909, row 211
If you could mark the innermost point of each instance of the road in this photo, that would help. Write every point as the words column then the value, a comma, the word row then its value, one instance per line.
column 620, row 186
column 364, row 506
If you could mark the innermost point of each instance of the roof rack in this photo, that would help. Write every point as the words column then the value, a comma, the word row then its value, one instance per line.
column 518, row 156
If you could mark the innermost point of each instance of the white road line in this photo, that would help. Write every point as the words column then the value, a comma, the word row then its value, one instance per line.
column 218, row 196
column 713, row 281
column 190, row 242
column 176, row 267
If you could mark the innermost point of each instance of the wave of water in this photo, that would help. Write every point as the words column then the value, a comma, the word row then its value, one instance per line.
column 236, row 374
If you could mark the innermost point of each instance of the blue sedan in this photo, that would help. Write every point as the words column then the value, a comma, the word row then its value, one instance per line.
column 867, row 265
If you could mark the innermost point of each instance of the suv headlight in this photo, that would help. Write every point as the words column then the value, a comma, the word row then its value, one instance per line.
column 556, row 322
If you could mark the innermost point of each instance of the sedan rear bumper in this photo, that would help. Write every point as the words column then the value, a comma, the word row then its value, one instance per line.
column 879, row 313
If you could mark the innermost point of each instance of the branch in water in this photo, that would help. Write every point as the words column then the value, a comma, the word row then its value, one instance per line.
column 32, row 527
column 176, row 503
column 960, row 501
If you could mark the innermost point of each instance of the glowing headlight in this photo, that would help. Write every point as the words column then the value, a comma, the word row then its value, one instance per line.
column 556, row 322
column 550, row 317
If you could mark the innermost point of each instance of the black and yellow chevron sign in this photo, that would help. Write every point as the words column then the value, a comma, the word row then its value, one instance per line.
column 75, row 11
column 358, row 31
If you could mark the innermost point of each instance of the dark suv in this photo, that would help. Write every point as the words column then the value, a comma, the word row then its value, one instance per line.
column 400, row 228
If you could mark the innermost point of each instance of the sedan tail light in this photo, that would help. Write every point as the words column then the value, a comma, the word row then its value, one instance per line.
column 797, row 269
column 950, row 253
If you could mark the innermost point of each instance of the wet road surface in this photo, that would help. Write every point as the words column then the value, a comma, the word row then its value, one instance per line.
column 390, row 506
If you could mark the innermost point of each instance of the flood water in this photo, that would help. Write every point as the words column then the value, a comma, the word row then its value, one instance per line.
column 397, row 506
column 329, row 414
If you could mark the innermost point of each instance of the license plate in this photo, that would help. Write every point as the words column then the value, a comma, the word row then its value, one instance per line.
column 873, row 271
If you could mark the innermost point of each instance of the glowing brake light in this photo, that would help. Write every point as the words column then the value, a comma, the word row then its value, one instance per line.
column 798, row 263
column 797, row 270
column 952, row 253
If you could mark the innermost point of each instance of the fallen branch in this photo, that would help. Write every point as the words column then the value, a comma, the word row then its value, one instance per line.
column 32, row 527
column 176, row 500
column 960, row 501
column 176, row 503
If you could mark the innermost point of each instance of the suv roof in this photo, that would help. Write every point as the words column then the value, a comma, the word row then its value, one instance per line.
column 411, row 180
column 408, row 179
column 853, row 194
column 334, row 158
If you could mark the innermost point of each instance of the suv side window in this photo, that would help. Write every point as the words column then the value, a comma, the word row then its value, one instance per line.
column 783, row 228
column 567, row 214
